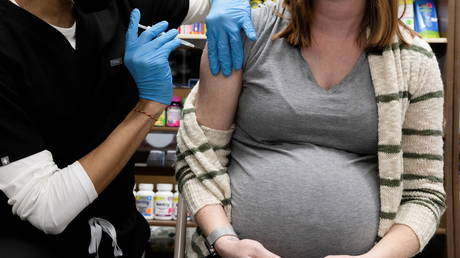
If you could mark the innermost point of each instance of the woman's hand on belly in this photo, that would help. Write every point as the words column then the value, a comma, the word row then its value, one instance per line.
column 232, row 247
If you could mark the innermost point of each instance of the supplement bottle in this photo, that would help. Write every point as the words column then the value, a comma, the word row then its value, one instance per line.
column 175, row 201
column 144, row 200
column 164, row 202
column 173, row 112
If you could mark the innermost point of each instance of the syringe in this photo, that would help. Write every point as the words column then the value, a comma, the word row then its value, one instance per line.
column 183, row 42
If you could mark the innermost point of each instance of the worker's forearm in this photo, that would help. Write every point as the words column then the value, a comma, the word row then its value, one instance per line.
column 399, row 242
column 105, row 162
column 211, row 217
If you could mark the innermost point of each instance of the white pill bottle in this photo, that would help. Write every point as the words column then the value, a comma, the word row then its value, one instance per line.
column 164, row 202
column 144, row 200
column 175, row 201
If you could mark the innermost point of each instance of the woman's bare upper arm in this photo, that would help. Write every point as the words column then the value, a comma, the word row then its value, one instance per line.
column 217, row 97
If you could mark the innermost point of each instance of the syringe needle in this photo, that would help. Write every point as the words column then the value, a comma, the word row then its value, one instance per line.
column 143, row 26
column 183, row 42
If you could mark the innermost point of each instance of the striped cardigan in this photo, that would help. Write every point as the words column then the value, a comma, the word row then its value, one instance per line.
column 409, row 95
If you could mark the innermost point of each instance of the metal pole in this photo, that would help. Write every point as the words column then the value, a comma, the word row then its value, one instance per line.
column 181, row 229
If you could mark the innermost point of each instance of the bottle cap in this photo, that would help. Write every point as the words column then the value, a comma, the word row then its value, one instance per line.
column 176, row 99
column 164, row 187
column 146, row 187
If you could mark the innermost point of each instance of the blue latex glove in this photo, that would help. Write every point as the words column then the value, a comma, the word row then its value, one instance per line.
column 146, row 58
column 224, row 23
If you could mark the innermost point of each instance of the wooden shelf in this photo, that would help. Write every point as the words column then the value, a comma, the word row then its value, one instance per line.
column 153, row 171
column 441, row 231
column 192, row 36
column 164, row 129
column 436, row 40
column 168, row 223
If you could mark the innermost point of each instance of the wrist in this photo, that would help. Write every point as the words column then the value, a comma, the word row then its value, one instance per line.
column 163, row 98
column 151, row 108
column 220, row 243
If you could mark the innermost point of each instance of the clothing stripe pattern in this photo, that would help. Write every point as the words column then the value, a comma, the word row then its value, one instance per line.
column 409, row 94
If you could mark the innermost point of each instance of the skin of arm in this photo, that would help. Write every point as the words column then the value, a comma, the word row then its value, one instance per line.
column 400, row 241
column 217, row 97
column 105, row 162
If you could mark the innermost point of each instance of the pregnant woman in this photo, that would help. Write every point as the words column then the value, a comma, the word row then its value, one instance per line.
column 335, row 129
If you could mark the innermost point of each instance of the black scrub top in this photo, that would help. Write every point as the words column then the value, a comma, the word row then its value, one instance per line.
column 68, row 101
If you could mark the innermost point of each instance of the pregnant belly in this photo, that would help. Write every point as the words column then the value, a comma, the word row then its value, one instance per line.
column 305, row 201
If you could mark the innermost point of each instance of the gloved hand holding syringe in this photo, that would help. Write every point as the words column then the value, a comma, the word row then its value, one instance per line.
column 183, row 42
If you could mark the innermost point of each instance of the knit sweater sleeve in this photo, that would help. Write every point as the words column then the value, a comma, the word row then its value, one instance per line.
column 423, row 200
column 201, row 170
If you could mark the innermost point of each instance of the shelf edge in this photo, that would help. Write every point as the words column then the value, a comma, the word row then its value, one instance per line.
column 168, row 223
column 192, row 36
column 436, row 40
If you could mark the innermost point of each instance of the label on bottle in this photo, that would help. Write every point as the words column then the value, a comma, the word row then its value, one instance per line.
column 173, row 116
column 163, row 207
column 144, row 205
column 175, row 206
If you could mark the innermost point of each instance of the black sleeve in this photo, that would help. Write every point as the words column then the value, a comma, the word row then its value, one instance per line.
column 154, row 11
column 18, row 136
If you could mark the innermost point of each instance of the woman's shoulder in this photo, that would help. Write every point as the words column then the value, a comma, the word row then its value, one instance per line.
column 266, row 13
column 413, row 44
column 269, row 18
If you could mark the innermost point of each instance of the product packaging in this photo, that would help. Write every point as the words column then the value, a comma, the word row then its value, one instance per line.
column 145, row 200
column 171, row 158
column 426, row 18
column 173, row 112
column 406, row 12
column 161, row 120
column 175, row 201
column 156, row 158
column 164, row 202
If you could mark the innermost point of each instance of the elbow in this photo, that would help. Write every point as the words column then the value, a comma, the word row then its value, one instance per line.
column 37, row 208
column 47, row 197
column 52, row 228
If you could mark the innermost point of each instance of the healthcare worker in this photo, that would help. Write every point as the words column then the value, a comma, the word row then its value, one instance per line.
column 79, row 90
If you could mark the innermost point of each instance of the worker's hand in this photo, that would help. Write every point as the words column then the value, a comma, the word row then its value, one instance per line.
column 146, row 58
column 223, row 24
column 232, row 247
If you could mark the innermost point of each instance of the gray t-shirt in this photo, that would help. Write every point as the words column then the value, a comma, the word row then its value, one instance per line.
column 303, row 169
